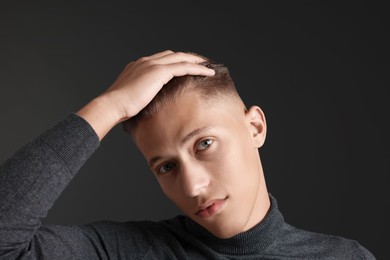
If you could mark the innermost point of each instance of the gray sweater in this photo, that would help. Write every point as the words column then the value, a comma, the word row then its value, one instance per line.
column 34, row 177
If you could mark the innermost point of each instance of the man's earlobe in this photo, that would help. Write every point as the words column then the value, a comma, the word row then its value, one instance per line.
column 258, row 125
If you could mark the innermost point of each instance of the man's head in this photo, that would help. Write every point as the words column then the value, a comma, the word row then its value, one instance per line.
column 202, row 144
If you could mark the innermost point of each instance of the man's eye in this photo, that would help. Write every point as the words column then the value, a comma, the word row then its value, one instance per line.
column 204, row 144
column 166, row 167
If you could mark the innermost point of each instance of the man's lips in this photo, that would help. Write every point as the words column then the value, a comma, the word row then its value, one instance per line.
column 210, row 208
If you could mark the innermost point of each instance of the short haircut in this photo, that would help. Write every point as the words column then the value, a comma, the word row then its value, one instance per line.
column 221, row 85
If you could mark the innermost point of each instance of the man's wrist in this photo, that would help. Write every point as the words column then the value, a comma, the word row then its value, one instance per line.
column 102, row 114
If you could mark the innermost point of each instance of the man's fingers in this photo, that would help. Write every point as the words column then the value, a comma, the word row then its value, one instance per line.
column 158, row 55
column 176, row 57
column 187, row 68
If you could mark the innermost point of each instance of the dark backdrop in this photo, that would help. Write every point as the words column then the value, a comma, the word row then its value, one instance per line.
column 318, row 70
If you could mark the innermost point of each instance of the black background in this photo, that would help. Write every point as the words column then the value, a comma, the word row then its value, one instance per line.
column 318, row 70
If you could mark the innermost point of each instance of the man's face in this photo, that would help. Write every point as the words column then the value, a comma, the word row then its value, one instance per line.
column 205, row 158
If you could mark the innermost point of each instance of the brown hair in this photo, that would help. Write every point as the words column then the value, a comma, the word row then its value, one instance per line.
column 217, row 86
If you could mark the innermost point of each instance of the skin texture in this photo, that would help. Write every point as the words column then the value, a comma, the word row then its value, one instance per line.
column 219, row 162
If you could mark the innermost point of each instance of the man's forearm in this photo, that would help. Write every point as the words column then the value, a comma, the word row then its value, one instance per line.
column 35, row 176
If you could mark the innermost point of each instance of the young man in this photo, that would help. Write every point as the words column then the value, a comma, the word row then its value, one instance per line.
column 201, row 143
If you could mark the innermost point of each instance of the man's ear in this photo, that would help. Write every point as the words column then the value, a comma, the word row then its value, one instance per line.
column 257, row 125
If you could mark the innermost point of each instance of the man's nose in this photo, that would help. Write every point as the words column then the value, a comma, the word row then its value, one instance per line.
column 194, row 178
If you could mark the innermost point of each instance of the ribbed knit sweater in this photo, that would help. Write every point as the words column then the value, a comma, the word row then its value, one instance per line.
column 34, row 177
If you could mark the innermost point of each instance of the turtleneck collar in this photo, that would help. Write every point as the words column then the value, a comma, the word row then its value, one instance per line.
column 252, row 241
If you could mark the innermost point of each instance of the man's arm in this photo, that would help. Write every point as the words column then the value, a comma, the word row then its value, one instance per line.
column 35, row 176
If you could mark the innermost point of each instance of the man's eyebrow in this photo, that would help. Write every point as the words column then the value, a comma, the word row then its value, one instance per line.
column 186, row 138
column 153, row 161
column 194, row 133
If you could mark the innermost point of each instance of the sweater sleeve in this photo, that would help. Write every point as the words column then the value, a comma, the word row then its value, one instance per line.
column 30, row 182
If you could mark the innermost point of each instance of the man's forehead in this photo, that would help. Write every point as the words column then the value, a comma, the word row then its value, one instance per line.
column 153, row 134
column 183, row 115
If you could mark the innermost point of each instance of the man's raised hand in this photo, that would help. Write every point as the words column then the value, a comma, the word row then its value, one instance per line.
column 137, row 85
